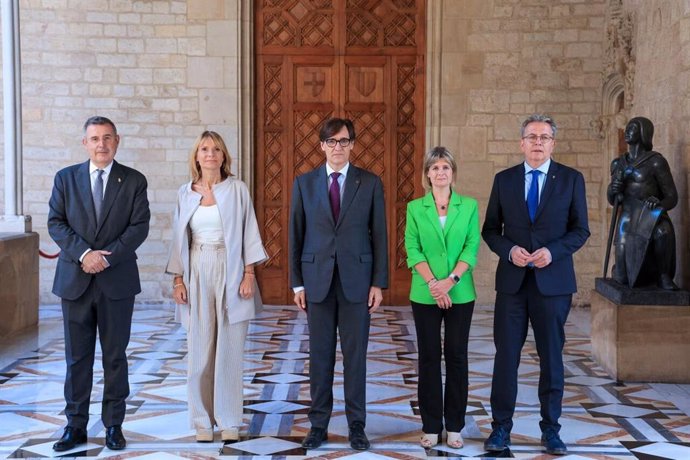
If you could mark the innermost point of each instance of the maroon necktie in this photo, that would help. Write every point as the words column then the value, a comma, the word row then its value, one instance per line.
column 334, row 195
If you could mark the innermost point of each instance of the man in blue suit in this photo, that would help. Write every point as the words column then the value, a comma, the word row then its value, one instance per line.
column 99, row 215
column 535, row 221
column 338, row 267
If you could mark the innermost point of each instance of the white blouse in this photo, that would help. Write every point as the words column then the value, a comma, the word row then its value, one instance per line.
column 206, row 225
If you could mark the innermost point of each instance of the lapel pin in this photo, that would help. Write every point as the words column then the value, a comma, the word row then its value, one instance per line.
column 119, row 179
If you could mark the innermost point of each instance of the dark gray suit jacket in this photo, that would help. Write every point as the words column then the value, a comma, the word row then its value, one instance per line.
column 358, row 241
column 124, row 226
column 560, row 225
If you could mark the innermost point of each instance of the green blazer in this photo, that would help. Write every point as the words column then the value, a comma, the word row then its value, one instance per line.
column 442, row 248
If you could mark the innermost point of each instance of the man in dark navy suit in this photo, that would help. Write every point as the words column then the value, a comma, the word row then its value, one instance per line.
column 338, row 266
column 535, row 221
column 99, row 215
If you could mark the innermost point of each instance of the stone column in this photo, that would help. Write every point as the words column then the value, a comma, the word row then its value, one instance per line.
column 12, row 221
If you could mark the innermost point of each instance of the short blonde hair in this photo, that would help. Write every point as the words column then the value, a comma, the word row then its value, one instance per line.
column 431, row 157
column 195, row 169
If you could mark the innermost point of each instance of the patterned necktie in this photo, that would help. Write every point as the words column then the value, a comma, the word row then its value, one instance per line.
column 98, row 194
column 334, row 195
column 533, row 194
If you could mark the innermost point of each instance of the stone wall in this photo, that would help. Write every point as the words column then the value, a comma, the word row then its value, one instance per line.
column 500, row 61
column 163, row 71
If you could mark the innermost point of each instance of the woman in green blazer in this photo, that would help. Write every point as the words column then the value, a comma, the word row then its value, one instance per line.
column 442, row 239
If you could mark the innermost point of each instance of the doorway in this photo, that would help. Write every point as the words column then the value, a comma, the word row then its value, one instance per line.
column 359, row 59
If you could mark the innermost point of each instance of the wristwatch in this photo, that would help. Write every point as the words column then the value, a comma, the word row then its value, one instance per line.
column 454, row 277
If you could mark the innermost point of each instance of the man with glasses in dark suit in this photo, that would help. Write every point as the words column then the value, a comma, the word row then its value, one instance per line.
column 535, row 221
column 338, row 267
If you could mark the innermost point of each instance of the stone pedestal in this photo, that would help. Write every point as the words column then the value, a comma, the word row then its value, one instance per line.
column 641, row 343
column 18, row 282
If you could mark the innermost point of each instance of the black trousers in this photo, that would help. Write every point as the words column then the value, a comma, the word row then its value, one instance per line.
column 548, row 315
column 112, row 319
column 336, row 315
column 435, row 404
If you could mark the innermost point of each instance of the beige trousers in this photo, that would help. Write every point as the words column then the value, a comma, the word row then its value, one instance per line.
column 215, row 353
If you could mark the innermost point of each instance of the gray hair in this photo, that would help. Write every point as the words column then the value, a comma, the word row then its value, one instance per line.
column 99, row 120
column 539, row 117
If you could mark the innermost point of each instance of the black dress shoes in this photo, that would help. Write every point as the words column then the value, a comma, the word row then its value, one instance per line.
column 114, row 439
column 314, row 438
column 498, row 440
column 552, row 443
column 70, row 439
column 358, row 440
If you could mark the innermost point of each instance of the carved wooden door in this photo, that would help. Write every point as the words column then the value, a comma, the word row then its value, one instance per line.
column 360, row 59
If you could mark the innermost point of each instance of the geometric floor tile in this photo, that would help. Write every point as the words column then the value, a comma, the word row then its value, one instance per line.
column 276, row 407
column 659, row 450
column 602, row 419
column 623, row 410
column 15, row 424
column 166, row 426
column 264, row 446
column 39, row 448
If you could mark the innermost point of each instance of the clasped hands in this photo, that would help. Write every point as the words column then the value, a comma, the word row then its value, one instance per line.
column 95, row 262
column 522, row 258
column 439, row 291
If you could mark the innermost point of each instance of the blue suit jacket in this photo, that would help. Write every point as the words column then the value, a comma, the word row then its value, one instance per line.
column 124, row 226
column 560, row 225
column 358, row 241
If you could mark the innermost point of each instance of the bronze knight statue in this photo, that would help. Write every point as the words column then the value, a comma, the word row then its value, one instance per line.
column 642, row 187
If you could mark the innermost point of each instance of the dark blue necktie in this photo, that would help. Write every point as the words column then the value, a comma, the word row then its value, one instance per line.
column 334, row 195
column 533, row 194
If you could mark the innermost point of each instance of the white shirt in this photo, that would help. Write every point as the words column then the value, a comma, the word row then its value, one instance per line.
column 543, row 168
column 93, row 174
column 206, row 225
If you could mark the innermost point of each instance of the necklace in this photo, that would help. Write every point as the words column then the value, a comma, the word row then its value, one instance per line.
column 442, row 207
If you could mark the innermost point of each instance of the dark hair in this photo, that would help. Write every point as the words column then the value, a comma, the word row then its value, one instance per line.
column 333, row 125
column 646, row 131
column 98, row 120
column 539, row 117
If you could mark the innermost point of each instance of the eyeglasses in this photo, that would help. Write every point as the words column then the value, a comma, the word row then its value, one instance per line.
column 533, row 138
column 344, row 142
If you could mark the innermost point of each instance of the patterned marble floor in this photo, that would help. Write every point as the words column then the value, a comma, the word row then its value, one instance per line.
column 602, row 419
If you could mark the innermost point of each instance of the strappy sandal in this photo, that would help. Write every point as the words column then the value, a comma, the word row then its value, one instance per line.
column 428, row 440
column 454, row 440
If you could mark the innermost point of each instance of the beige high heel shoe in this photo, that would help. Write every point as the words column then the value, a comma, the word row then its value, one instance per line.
column 230, row 434
column 428, row 440
column 454, row 440
column 204, row 435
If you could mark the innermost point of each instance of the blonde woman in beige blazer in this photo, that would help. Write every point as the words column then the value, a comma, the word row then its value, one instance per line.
column 215, row 247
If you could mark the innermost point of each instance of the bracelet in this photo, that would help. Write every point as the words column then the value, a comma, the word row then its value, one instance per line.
column 249, row 273
column 431, row 280
column 177, row 285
